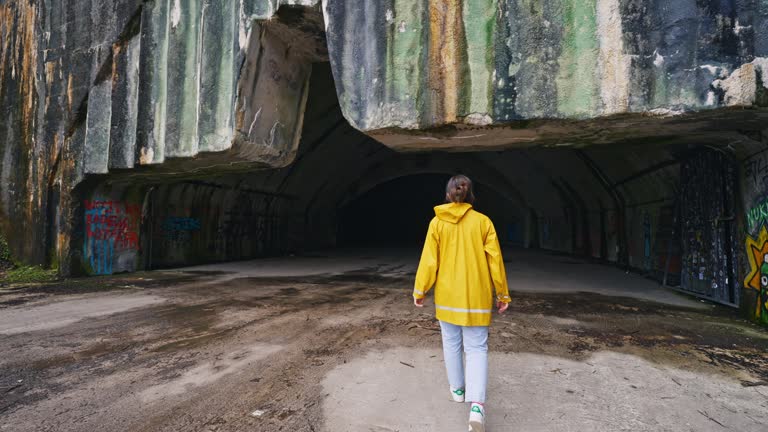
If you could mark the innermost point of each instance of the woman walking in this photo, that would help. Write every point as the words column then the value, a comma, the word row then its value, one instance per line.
column 462, row 259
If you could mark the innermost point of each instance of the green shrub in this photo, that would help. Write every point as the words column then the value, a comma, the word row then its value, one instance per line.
column 5, row 251
column 29, row 274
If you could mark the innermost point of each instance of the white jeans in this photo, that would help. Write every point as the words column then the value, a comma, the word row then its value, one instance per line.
column 475, row 345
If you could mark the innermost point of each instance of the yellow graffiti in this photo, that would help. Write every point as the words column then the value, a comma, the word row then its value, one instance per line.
column 757, row 254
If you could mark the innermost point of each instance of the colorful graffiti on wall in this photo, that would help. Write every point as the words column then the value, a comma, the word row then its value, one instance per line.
column 111, row 231
column 757, row 279
column 754, row 189
column 757, row 214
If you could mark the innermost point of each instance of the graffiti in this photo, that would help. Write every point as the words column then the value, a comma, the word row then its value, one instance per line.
column 707, row 233
column 758, row 214
column 180, row 229
column 111, row 228
column 755, row 185
column 757, row 279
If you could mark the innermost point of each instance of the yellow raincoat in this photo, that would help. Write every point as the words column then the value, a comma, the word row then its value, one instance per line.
column 461, row 258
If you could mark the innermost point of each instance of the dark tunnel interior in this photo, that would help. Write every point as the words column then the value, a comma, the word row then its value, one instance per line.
column 397, row 213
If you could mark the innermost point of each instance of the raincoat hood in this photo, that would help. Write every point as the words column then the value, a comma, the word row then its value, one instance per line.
column 452, row 212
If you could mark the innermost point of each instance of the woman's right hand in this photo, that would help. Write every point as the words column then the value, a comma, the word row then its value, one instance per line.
column 418, row 302
column 502, row 306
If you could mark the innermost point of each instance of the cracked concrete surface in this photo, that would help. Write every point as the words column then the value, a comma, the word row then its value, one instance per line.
column 606, row 391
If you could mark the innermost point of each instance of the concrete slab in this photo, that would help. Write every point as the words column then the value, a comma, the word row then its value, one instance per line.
column 537, row 271
column 537, row 393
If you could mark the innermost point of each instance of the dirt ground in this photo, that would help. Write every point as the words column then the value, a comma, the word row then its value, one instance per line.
column 202, row 350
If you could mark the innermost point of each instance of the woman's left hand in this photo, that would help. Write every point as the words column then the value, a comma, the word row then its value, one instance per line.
column 502, row 306
column 418, row 302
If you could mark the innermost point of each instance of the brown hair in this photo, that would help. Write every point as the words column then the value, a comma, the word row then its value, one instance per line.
column 459, row 190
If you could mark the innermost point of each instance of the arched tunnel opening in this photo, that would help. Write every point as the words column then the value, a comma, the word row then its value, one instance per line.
column 397, row 212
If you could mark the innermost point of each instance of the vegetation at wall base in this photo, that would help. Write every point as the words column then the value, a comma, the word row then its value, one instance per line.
column 6, row 260
column 28, row 274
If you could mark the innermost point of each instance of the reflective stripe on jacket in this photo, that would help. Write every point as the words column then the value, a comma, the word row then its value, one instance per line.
column 462, row 259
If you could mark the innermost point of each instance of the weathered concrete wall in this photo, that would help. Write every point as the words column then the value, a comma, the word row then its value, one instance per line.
column 90, row 88
column 50, row 56
column 753, row 218
column 418, row 64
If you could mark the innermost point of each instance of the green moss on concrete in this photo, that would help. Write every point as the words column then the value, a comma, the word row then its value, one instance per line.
column 480, row 27
column 405, row 53
column 577, row 87
column 761, row 99
column 217, row 76
column 183, row 92
column 53, row 259
column 13, row 272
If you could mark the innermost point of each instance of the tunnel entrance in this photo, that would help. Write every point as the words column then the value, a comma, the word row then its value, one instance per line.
column 625, row 203
column 397, row 212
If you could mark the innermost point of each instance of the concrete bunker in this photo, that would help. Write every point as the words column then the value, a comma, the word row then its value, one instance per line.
column 198, row 132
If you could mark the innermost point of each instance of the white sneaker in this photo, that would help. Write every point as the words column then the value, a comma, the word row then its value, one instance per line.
column 476, row 418
column 457, row 395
